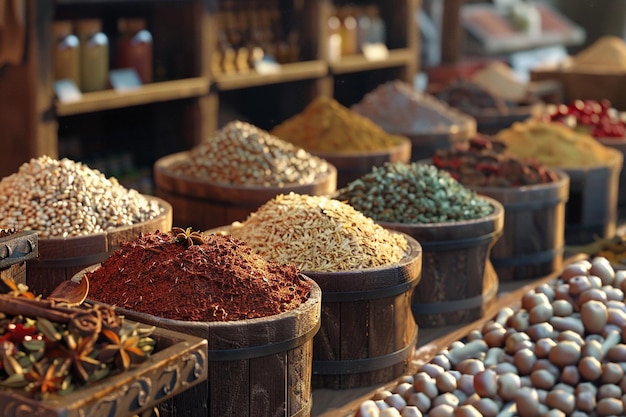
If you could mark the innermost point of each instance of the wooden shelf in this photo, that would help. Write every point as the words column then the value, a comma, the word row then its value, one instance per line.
column 357, row 63
column 286, row 73
column 149, row 93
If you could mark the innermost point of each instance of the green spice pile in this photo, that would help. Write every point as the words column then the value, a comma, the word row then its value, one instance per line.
column 485, row 162
column 243, row 154
column 47, row 348
column 320, row 234
column 326, row 126
column 60, row 198
column 186, row 275
column 413, row 193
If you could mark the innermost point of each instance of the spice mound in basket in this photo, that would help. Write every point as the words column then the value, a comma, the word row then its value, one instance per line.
column 485, row 162
column 318, row 233
column 326, row 126
column 51, row 349
column 556, row 350
column 61, row 198
column 192, row 276
column 413, row 193
column 243, row 154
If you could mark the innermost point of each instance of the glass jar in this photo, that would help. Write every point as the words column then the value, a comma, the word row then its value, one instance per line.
column 66, row 52
column 94, row 55
column 134, row 48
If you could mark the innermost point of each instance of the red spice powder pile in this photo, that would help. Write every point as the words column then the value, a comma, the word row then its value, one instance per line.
column 219, row 280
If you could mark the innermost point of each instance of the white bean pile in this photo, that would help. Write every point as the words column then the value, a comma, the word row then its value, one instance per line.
column 563, row 353
column 61, row 198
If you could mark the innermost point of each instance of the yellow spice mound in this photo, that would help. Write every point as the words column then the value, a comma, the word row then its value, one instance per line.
column 327, row 126
column 607, row 53
column 554, row 144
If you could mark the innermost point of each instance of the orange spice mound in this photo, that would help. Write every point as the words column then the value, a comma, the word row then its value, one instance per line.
column 218, row 280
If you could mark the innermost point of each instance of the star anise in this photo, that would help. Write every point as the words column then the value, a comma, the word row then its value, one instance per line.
column 79, row 352
column 46, row 377
column 122, row 348
column 187, row 236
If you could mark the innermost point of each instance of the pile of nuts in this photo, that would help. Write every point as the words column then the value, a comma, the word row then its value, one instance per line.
column 413, row 193
column 243, row 154
column 60, row 198
column 562, row 353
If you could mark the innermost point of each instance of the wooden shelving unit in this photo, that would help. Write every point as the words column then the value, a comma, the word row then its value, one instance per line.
column 186, row 101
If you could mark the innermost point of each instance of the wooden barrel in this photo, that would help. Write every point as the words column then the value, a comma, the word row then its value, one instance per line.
column 491, row 121
column 424, row 145
column 353, row 165
column 368, row 332
column 203, row 205
column 257, row 367
column 532, row 241
column 619, row 144
column 61, row 258
column 458, row 281
column 591, row 210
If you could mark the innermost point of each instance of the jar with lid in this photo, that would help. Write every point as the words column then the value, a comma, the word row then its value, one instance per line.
column 134, row 47
column 66, row 52
column 348, row 33
column 94, row 55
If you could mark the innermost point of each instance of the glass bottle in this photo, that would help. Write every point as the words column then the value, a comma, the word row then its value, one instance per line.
column 348, row 33
column 94, row 55
column 134, row 47
column 66, row 52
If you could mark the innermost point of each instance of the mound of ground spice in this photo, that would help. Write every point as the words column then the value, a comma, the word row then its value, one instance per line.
column 220, row 279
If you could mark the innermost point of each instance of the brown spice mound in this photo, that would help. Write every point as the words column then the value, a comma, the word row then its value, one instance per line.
column 219, row 280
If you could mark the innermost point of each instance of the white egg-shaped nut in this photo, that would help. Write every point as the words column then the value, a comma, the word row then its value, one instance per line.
column 474, row 334
column 602, row 268
column 531, row 299
column 620, row 277
column 571, row 336
column 540, row 313
column 570, row 375
column 485, row 383
column 590, row 368
column 494, row 337
column 381, row 404
column 616, row 316
column 592, row 347
column 411, row 411
column 610, row 407
column 446, row 398
column 613, row 294
column 612, row 349
column 494, row 356
column 544, row 363
column 508, row 385
column 368, row 408
column 565, row 352
column 472, row 366
column 445, row 382
column 543, row 379
column 595, row 281
column 442, row 410
column 562, row 308
column 460, row 395
column 612, row 373
column 547, row 289
column 568, row 323
column 432, row 369
column 503, row 315
column 527, row 402
column 581, row 267
column 585, row 401
column 505, row 367
column 609, row 391
column 390, row 412
column 561, row 400
column 488, row 407
column 466, row 384
column 579, row 284
column 403, row 388
column 427, row 386
column 467, row 411
column 406, row 378
column 519, row 321
column 561, row 292
column 524, row 360
column 543, row 347
column 471, row 349
column 395, row 401
column 592, row 294
column 419, row 400
column 517, row 341
column 442, row 360
column 540, row 331
column 619, row 305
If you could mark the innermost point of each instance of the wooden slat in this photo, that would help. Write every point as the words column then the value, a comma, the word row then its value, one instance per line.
column 296, row 71
column 148, row 93
column 357, row 63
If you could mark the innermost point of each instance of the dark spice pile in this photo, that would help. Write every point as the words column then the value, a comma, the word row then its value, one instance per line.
column 207, row 278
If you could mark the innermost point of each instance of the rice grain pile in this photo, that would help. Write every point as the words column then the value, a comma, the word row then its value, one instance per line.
column 318, row 233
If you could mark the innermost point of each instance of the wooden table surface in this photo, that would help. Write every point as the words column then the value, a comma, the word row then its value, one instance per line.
column 342, row 403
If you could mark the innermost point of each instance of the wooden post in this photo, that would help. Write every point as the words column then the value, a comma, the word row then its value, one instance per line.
column 451, row 32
